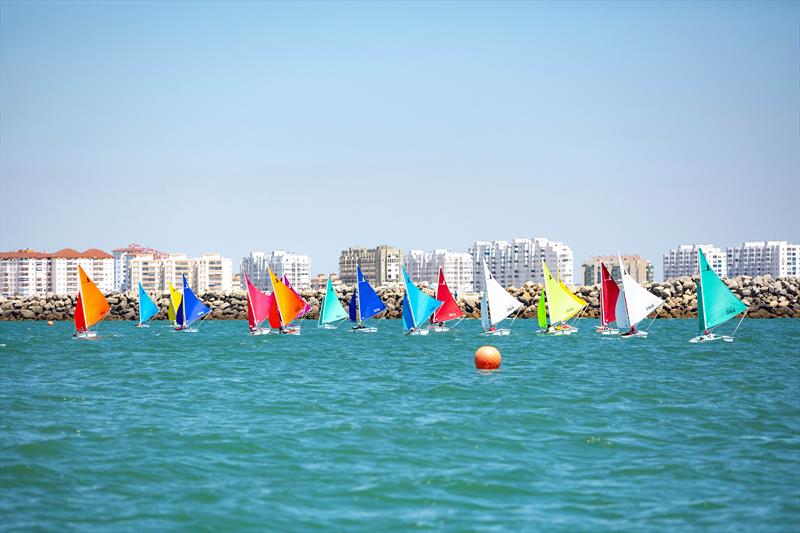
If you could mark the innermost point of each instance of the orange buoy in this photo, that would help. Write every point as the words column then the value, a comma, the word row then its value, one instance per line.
column 487, row 358
column 49, row 322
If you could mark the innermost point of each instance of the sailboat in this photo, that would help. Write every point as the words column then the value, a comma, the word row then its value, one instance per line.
column 332, row 310
column 364, row 304
column 147, row 308
column 191, row 310
column 560, row 305
column 634, row 304
column 496, row 305
column 716, row 304
column 259, row 306
column 289, row 305
column 609, row 292
column 90, row 309
column 175, row 298
column 449, row 309
column 307, row 308
column 418, row 307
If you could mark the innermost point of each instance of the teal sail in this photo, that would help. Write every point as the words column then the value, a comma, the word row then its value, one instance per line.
column 147, row 309
column 332, row 309
column 419, row 305
column 716, row 303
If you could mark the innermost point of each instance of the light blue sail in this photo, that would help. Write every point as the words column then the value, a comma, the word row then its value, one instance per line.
column 418, row 305
column 147, row 309
column 332, row 309
column 192, row 308
column 369, row 304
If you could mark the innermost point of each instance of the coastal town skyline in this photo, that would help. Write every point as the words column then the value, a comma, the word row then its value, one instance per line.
column 385, row 123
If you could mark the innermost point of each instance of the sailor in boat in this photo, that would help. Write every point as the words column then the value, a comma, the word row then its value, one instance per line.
column 629, row 333
column 359, row 326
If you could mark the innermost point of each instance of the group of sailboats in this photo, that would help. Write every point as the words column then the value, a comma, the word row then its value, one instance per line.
column 624, row 306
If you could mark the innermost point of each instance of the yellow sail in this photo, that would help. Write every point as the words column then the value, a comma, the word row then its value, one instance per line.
column 561, row 303
column 95, row 305
column 289, row 304
column 174, row 302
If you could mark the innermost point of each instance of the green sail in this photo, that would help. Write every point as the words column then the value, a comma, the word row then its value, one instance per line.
column 715, row 301
column 543, row 310
column 332, row 309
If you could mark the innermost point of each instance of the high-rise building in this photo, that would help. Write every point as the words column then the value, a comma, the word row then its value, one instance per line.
column 294, row 266
column 682, row 261
column 380, row 265
column 122, row 259
column 776, row 258
column 637, row 266
column 207, row 273
column 457, row 267
column 519, row 261
column 214, row 273
column 27, row 273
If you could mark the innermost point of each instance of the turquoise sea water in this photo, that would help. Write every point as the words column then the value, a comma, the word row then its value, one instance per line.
column 151, row 430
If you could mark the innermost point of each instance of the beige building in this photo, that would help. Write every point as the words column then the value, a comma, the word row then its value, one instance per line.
column 26, row 272
column 380, row 265
column 207, row 273
column 637, row 266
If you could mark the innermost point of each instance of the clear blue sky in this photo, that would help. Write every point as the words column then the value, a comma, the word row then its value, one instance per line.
column 231, row 127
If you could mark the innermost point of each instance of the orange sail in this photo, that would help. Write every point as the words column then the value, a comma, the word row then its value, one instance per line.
column 95, row 305
column 289, row 303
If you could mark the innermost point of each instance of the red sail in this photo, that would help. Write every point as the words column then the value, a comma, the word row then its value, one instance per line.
column 258, row 305
column 610, row 292
column 80, row 319
column 449, row 308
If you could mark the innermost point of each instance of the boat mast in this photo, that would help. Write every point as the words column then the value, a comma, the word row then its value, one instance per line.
column 602, row 284
column 700, row 287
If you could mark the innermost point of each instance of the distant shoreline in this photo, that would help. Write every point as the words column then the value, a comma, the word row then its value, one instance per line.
column 765, row 296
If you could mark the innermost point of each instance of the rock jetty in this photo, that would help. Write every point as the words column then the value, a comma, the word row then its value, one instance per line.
column 766, row 297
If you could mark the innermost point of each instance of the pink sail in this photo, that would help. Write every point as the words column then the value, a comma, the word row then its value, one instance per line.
column 307, row 308
column 258, row 305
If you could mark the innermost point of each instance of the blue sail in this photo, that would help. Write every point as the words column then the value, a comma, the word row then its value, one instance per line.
column 420, row 305
column 369, row 302
column 180, row 318
column 147, row 309
column 352, row 308
column 193, row 308
column 408, row 321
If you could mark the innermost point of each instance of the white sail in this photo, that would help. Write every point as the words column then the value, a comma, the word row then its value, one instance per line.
column 621, row 311
column 501, row 303
column 484, row 312
column 639, row 301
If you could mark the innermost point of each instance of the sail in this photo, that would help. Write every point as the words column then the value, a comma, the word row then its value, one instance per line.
column 449, row 309
column 80, row 318
column 608, row 298
column 501, row 303
column 701, row 311
column 369, row 304
column 420, row 305
column 95, row 305
column 192, row 308
column 175, row 298
column 147, row 308
column 307, row 308
column 542, row 310
column 719, row 303
column 274, row 315
column 621, row 311
column 353, row 307
column 289, row 303
column 561, row 303
column 484, row 312
column 639, row 302
column 332, row 309
column 408, row 317
column 258, row 305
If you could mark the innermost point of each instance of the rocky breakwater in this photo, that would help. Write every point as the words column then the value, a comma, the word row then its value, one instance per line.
column 766, row 297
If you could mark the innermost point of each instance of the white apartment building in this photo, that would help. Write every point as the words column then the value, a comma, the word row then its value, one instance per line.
column 457, row 266
column 775, row 258
column 122, row 259
column 295, row 266
column 208, row 273
column 27, row 273
column 682, row 261
column 519, row 261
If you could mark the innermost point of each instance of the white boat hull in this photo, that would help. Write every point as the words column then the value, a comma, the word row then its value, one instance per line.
column 498, row 332
column 608, row 331
column 186, row 330
column 260, row 331
column 438, row 329
column 364, row 330
column 85, row 335
column 142, row 325
column 418, row 332
column 559, row 332
column 711, row 337
column 326, row 326
column 639, row 334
